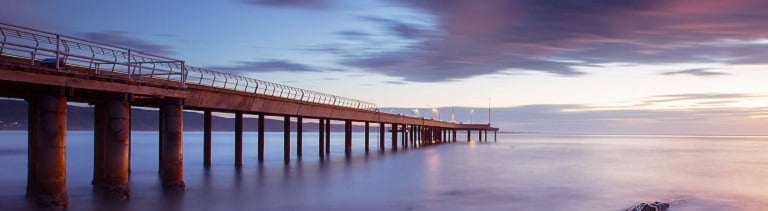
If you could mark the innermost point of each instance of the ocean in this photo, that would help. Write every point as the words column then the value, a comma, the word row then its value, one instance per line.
column 518, row 172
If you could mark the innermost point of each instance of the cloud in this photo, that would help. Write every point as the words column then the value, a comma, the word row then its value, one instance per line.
column 128, row 40
column 315, row 4
column 353, row 35
column 395, row 82
column 699, row 96
column 267, row 66
column 468, row 38
column 696, row 72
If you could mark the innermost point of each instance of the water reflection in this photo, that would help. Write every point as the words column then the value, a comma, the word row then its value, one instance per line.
column 517, row 173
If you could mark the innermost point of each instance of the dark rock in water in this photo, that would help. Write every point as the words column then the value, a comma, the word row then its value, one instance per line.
column 655, row 206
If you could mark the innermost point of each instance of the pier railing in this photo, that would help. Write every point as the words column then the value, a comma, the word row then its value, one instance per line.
column 62, row 52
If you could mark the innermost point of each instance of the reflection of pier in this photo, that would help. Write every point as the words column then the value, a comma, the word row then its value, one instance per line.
column 48, row 70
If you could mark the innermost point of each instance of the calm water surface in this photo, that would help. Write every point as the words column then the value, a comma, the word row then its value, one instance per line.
column 519, row 172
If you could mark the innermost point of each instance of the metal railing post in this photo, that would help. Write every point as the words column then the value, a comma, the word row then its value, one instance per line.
column 58, row 38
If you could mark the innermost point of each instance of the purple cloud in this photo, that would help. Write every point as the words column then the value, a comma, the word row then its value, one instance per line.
column 128, row 40
column 267, row 66
column 474, row 38
column 290, row 3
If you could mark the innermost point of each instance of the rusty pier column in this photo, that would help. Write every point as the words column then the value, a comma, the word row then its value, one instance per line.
column 469, row 133
column 321, row 142
column 207, row 136
column 328, row 137
column 394, row 136
column 479, row 135
column 47, row 150
column 299, row 130
column 348, row 137
column 111, row 146
column 403, row 134
column 172, row 171
column 238, row 139
column 287, row 138
column 260, row 139
column 367, row 136
column 381, row 136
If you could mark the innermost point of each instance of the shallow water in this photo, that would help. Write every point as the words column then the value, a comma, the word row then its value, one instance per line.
column 519, row 172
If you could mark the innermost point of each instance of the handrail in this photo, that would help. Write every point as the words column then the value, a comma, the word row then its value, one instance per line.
column 111, row 60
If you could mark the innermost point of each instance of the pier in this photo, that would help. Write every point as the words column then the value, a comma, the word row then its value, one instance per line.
column 48, row 70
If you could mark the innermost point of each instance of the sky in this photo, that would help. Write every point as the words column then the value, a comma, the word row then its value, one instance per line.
column 588, row 66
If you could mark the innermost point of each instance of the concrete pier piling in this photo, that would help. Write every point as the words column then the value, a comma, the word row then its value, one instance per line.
column 321, row 142
column 112, row 147
column 328, row 137
column 286, row 138
column 348, row 137
column 172, row 173
column 480, row 136
column 394, row 137
column 367, row 136
column 238, row 138
column 47, row 170
column 469, row 134
column 299, row 138
column 381, row 136
column 260, row 139
column 207, row 136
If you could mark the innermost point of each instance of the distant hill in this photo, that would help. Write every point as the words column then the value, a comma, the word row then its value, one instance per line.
column 13, row 116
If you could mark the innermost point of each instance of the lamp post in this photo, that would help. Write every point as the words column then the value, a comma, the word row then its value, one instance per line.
column 471, row 111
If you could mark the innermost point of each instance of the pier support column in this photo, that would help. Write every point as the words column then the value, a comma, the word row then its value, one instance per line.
column 403, row 134
column 328, row 137
column 479, row 135
column 299, row 130
column 394, row 137
column 469, row 133
column 494, row 136
column 260, row 139
column 207, row 136
column 445, row 135
column 287, row 138
column 238, row 138
column 367, row 136
column 111, row 147
column 321, row 142
column 454, row 131
column 413, row 135
column 348, row 137
column 381, row 136
column 485, row 133
column 172, row 171
column 47, row 150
